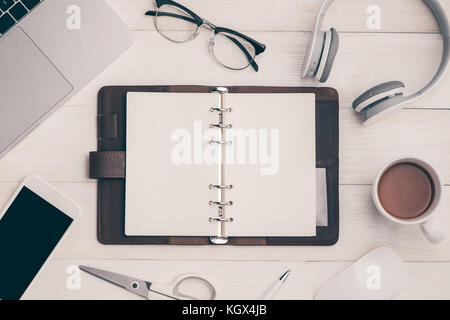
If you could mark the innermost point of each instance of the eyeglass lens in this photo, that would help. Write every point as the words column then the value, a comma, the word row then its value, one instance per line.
column 175, row 24
column 230, row 50
column 233, row 51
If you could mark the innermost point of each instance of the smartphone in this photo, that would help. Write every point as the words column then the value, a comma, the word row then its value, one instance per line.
column 32, row 225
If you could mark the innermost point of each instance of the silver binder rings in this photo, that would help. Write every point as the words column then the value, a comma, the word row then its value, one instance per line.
column 221, row 187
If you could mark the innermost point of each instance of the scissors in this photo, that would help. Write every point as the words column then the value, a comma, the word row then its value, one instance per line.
column 148, row 289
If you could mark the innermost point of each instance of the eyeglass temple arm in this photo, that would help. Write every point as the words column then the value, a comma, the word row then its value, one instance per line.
column 174, row 15
column 247, row 54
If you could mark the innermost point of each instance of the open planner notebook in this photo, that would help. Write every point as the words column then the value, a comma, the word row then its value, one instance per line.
column 220, row 164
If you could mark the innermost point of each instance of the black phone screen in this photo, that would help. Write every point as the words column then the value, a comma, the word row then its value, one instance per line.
column 29, row 231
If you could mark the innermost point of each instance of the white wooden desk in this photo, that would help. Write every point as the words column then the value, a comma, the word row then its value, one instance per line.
column 407, row 48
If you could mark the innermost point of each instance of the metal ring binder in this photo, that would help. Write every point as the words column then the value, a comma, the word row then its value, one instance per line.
column 220, row 220
column 212, row 109
column 222, row 126
column 221, row 203
column 216, row 186
column 221, row 90
column 221, row 187
column 220, row 142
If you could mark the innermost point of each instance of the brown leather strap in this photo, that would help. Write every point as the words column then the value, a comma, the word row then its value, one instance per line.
column 107, row 165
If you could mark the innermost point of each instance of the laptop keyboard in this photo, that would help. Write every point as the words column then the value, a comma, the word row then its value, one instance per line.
column 12, row 11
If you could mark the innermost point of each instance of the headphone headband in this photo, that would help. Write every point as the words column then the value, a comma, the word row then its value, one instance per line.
column 441, row 17
column 434, row 5
column 442, row 20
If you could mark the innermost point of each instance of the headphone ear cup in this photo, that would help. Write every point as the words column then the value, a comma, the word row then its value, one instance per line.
column 313, row 55
column 377, row 94
column 324, row 55
column 328, row 57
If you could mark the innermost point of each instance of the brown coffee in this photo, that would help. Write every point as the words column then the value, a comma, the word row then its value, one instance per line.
column 406, row 190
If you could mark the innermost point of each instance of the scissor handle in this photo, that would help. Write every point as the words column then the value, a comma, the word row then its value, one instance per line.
column 174, row 291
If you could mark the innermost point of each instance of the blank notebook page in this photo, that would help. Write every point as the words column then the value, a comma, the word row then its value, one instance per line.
column 270, row 163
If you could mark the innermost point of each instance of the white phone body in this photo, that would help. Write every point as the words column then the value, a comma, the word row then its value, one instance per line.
column 47, row 192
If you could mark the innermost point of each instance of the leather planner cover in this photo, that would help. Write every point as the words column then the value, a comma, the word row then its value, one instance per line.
column 108, row 166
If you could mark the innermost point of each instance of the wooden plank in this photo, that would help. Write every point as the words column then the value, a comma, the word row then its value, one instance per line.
column 419, row 133
column 233, row 279
column 362, row 229
column 293, row 15
column 363, row 61
column 59, row 149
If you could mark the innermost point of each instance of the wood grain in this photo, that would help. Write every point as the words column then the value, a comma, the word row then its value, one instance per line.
column 59, row 149
column 407, row 48
column 362, row 229
column 292, row 15
column 364, row 60
column 233, row 280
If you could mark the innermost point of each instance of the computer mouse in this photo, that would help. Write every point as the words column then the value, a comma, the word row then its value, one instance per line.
column 378, row 275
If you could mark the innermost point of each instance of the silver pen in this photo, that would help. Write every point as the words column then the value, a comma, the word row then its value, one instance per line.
column 274, row 289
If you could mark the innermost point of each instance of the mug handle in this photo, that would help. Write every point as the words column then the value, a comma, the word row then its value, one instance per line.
column 433, row 231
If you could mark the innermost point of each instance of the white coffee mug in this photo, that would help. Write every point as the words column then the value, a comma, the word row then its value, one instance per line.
column 432, row 229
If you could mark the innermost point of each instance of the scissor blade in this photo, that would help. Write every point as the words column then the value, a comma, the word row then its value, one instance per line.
column 139, row 287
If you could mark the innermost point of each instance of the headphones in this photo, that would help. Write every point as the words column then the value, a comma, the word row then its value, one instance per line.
column 383, row 98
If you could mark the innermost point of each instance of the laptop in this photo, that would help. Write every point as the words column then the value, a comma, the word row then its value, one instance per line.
column 50, row 49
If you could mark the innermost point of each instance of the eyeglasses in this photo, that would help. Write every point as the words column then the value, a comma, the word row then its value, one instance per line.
column 231, row 49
